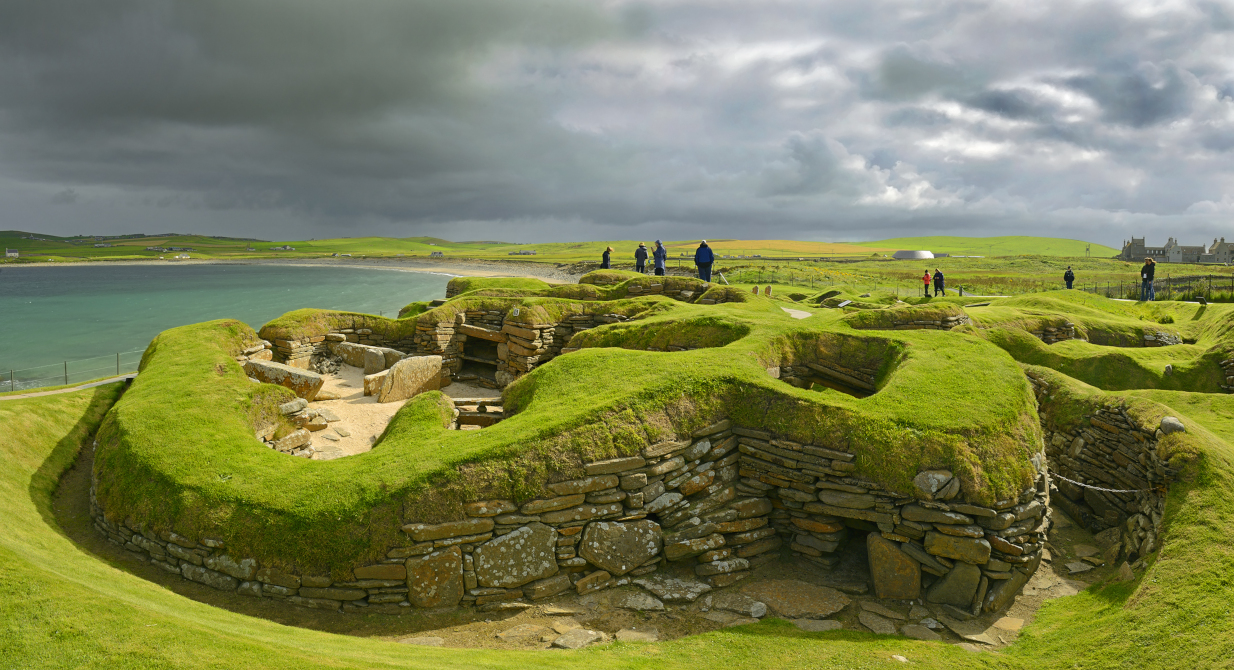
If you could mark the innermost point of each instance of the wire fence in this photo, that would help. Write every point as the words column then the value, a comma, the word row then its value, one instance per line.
column 1213, row 288
column 69, row 372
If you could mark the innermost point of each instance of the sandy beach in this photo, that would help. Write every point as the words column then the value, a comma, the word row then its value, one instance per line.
column 549, row 272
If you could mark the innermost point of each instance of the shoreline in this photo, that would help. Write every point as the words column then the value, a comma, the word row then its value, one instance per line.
column 547, row 272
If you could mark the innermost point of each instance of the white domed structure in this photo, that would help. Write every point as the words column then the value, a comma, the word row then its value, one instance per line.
column 906, row 255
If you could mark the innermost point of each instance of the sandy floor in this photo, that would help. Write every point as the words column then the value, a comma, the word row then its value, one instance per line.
column 361, row 418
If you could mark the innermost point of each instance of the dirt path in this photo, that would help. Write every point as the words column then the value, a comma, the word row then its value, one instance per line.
column 797, row 313
column 112, row 380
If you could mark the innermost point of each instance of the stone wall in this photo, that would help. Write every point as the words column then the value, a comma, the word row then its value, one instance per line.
column 1120, row 494
column 907, row 322
column 1227, row 368
column 725, row 500
column 1051, row 334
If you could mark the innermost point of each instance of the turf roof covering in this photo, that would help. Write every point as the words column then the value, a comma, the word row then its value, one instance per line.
column 179, row 452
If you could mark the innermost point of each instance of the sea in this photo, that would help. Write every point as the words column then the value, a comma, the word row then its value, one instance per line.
column 83, row 322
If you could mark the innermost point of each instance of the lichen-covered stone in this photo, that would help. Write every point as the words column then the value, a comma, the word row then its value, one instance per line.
column 894, row 573
column 209, row 577
column 957, row 587
column 410, row 377
column 435, row 580
column 421, row 532
column 969, row 550
column 621, row 547
column 243, row 569
column 517, row 558
column 305, row 384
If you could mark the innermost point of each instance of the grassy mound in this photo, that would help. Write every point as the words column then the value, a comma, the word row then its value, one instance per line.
column 183, row 435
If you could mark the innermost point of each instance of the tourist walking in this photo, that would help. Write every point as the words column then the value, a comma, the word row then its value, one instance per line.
column 1068, row 276
column 1146, row 279
column 605, row 263
column 660, row 257
column 640, row 258
column 703, row 258
column 925, row 279
column 939, row 287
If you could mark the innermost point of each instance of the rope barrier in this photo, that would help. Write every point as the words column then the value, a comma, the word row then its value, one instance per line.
column 1098, row 488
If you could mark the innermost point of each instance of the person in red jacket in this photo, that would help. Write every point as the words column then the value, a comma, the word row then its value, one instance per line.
column 925, row 279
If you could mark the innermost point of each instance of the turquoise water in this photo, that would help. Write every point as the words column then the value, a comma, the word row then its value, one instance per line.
column 88, row 314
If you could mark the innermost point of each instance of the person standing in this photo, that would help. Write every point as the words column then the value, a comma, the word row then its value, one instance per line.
column 1068, row 276
column 660, row 257
column 640, row 258
column 703, row 258
column 925, row 279
column 939, row 286
column 1146, row 279
column 605, row 263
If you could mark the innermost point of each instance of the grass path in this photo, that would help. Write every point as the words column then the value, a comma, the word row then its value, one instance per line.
column 70, row 389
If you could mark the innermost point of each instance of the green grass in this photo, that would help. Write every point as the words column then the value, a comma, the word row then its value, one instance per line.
column 61, row 606
column 334, row 515
column 1012, row 245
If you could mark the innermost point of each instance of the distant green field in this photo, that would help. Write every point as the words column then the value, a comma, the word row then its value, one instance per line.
column 67, row 249
column 1015, row 245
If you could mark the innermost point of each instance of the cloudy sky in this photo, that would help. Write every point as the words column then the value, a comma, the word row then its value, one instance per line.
column 542, row 120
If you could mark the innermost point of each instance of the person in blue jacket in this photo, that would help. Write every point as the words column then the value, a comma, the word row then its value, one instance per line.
column 640, row 258
column 605, row 264
column 939, row 283
column 703, row 258
column 660, row 254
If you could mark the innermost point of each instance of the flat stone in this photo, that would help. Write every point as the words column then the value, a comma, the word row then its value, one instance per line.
column 639, row 602
column 751, row 507
column 1085, row 550
column 332, row 593
column 848, row 500
column 731, row 601
column 632, row 635
column 795, row 599
column 374, row 382
column 927, row 515
column 721, row 567
column 410, row 377
column 304, row 383
column 521, row 632
column 593, row 582
column 1009, row 623
column 876, row 623
column 424, row 532
column 728, row 619
column 436, row 579
column 817, row 625
column 564, row 625
column 614, row 465
column 969, row 630
column 967, row 549
column 326, row 413
column 552, row 504
column 663, row 502
column 895, row 574
column 1125, row 573
column 487, row 508
column 1078, row 566
column 209, row 577
column 585, row 485
column 957, row 587
column 1003, row 592
column 549, row 586
column 578, row 638
column 676, row 551
column 582, row 513
column 918, row 632
column 423, row 641
column 882, row 610
column 518, row 557
column 621, row 547
column 243, row 569
column 673, row 589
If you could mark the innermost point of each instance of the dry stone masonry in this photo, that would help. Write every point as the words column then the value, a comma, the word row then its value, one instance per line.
column 725, row 500
column 1109, row 477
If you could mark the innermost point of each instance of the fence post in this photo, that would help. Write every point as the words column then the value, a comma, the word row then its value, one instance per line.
column 66, row 373
column 117, row 364
column 12, row 381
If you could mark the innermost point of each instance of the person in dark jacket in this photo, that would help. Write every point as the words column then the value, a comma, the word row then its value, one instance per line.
column 605, row 264
column 660, row 256
column 640, row 258
column 1068, row 276
column 703, row 258
column 939, row 286
column 1146, row 279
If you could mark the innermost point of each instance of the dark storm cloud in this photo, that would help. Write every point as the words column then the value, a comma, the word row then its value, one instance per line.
column 557, row 119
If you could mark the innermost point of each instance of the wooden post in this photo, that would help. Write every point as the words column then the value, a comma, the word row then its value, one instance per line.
column 117, row 364
column 66, row 373
column 12, row 381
